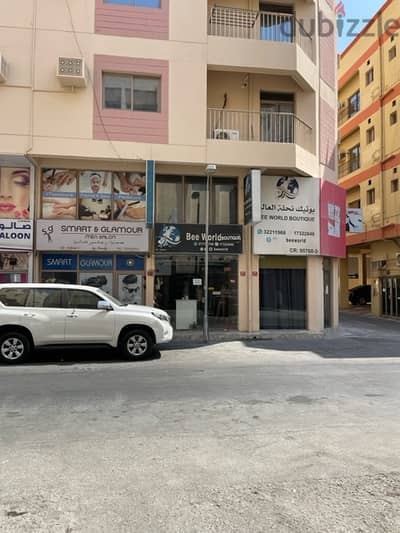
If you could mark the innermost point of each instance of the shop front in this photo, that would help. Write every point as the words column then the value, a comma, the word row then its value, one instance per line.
column 92, row 231
column 16, row 235
column 180, row 274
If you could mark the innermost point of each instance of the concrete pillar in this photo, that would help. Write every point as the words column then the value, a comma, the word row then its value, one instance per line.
column 315, row 293
column 150, row 276
column 335, row 292
column 343, row 285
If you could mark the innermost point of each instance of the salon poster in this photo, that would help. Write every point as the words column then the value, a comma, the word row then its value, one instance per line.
column 14, row 192
column 130, row 288
column 100, row 280
column 16, row 234
column 59, row 193
column 129, row 192
column 95, row 195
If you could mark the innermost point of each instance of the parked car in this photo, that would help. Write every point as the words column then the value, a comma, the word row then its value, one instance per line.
column 360, row 295
column 43, row 314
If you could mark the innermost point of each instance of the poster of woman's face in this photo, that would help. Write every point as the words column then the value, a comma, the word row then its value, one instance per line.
column 59, row 193
column 14, row 192
column 100, row 280
column 130, row 288
column 129, row 190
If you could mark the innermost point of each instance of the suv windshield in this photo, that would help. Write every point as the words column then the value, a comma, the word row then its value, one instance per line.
column 109, row 298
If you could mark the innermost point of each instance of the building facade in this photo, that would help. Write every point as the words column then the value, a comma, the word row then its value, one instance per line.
column 111, row 111
column 369, row 159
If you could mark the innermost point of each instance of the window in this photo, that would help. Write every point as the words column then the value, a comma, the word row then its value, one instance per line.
column 392, row 53
column 132, row 93
column 224, row 195
column 44, row 298
column 82, row 300
column 354, row 162
column 393, row 118
column 183, row 200
column 356, row 204
column 394, row 185
column 13, row 297
column 369, row 76
column 354, row 104
column 370, row 196
column 136, row 3
column 371, row 135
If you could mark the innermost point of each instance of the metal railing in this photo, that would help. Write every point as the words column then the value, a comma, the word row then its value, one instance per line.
column 259, row 25
column 268, row 127
column 349, row 165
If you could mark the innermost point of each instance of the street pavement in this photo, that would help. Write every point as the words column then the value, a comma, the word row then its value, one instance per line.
column 295, row 434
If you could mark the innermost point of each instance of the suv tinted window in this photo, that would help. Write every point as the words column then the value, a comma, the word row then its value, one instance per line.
column 44, row 298
column 13, row 297
column 82, row 299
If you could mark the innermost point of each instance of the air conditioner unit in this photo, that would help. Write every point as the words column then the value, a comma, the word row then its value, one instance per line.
column 3, row 69
column 72, row 72
column 231, row 135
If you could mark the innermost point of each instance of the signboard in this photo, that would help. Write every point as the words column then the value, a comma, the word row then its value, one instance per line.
column 333, row 209
column 354, row 220
column 252, row 197
column 16, row 234
column 91, row 236
column 96, row 262
column 59, row 262
column 290, row 217
column 191, row 238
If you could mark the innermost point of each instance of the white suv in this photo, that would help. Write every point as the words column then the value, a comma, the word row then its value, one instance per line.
column 43, row 314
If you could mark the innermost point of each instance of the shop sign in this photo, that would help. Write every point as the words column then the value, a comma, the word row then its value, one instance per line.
column 290, row 217
column 96, row 262
column 191, row 238
column 130, row 262
column 354, row 220
column 15, row 234
column 333, row 223
column 59, row 262
column 91, row 236
column 252, row 197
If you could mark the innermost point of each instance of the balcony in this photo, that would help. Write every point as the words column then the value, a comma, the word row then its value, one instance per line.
column 261, row 41
column 349, row 165
column 265, row 138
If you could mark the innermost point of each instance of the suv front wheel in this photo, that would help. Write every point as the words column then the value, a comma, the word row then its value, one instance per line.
column 136, row 344
column 15, row 347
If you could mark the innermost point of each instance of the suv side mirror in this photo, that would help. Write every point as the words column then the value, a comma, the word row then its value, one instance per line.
column 104, row 306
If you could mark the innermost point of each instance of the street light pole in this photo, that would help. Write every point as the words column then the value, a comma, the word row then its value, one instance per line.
column 210, row 170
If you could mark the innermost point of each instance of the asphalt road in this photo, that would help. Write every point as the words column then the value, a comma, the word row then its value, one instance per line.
column 290, row 435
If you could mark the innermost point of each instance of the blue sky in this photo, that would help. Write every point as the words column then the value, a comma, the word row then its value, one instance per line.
column 356, row 9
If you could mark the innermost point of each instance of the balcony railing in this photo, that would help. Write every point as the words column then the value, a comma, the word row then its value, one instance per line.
column 347, row 166
column 259, row 25
column 266, row 127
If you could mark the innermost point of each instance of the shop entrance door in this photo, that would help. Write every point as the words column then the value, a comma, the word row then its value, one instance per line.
column 282, row 298
column 390, row 295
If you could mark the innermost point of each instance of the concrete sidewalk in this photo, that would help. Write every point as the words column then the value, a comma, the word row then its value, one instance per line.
column 355, row 322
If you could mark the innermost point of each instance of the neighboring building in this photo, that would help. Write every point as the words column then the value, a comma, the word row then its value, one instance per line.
column 369, row 158
column 147, row 93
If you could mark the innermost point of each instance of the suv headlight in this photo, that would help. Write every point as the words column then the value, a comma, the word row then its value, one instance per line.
column 161, row 316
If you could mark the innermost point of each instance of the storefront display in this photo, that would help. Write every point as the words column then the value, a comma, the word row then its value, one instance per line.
column 13, row 267
column 93, row 195
column 119, row 275
column 179, row 290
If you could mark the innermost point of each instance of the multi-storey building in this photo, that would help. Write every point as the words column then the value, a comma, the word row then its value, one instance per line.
column 111, row 111
column 369, row 158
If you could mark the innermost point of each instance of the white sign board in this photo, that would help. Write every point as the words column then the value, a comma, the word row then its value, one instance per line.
column 290, row 216
column 91, row 236
column 16, row 234
column 354, row 220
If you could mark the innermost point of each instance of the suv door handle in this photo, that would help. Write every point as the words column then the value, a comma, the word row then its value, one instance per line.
column 29, row 315
column 72, row 315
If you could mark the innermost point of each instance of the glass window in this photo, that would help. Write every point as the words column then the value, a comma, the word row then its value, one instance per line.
column 117, row 91
column 354, row 158
column 13, row 297
column 393, row 118
column 169, row 199
column 224, row 201
column 371, row 135
column 354, row 104
column 82, row 299
column 137, row 3
column 370, row 196
column 44, row 298
column 195, row 200
column 394, row 185
column 392, row 53
column 369, row 76
column 131, row 93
